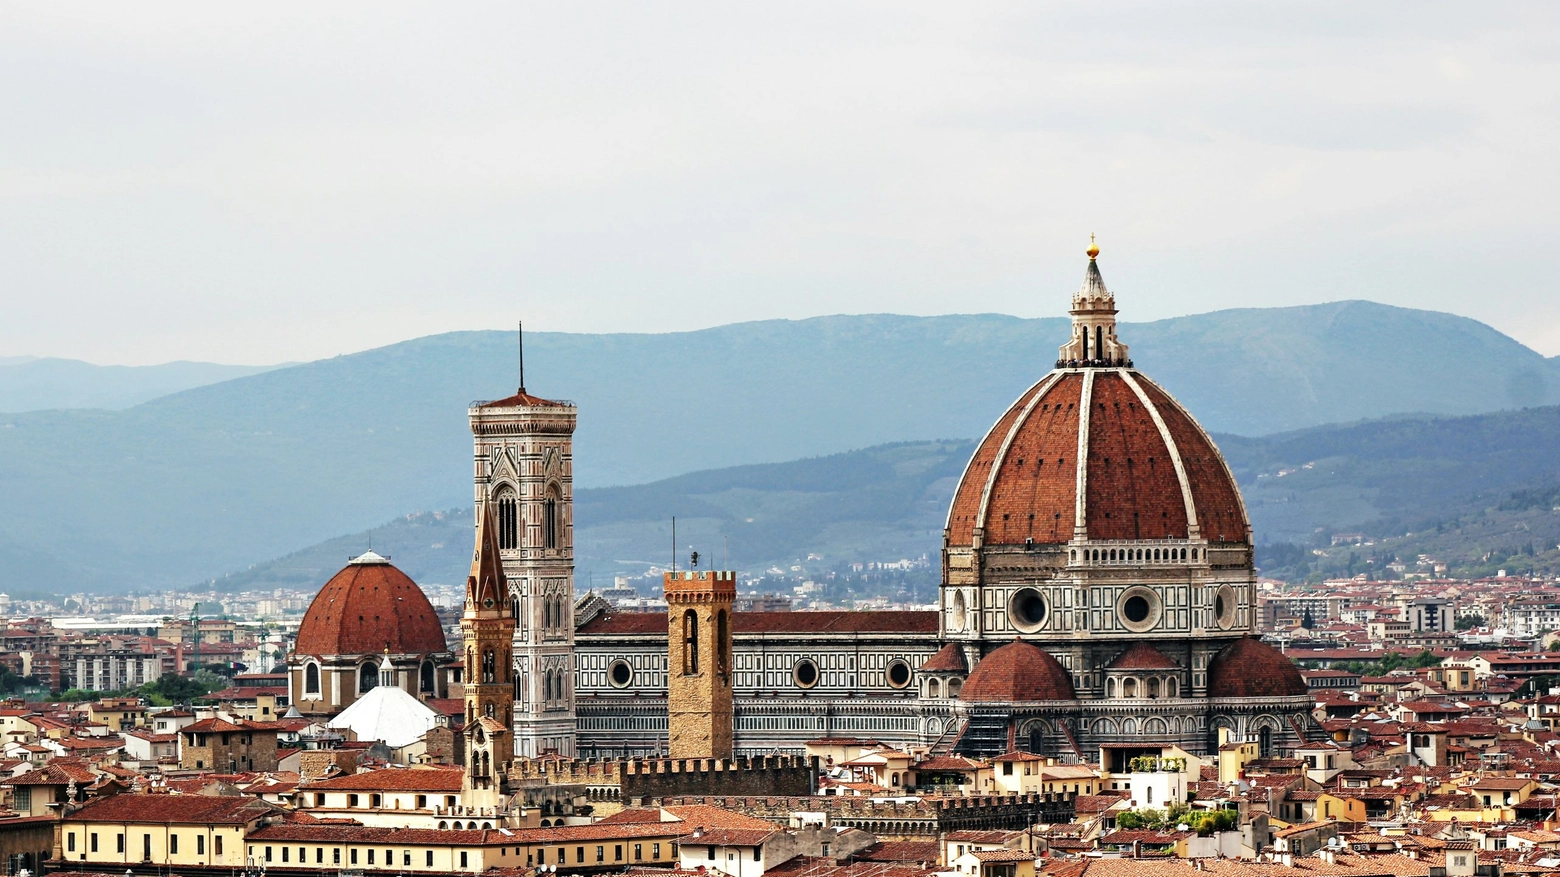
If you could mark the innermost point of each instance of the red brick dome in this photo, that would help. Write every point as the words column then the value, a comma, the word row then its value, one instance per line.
column 366, row 608
column 1018, row 672
column 1096, row 449
column 1149, row 470
column 1250, row 667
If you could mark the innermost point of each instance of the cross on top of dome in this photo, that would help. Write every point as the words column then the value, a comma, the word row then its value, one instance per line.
column 1093, row 342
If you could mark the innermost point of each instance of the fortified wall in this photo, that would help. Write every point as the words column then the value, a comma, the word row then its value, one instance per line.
column 608, row 785
column 905, row 819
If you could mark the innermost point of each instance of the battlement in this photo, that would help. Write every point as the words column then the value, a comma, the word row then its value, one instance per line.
column 646, row 778
column 905, row 818
column 720, row 582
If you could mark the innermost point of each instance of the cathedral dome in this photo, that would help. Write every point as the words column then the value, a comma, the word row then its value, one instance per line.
column 1096, row 450
column 367, row 608
column 1016, row 673
column 1249, row 667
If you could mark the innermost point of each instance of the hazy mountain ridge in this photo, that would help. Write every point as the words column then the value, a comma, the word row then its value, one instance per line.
column 212, row 479
column 1463, row 486
column 31, row 383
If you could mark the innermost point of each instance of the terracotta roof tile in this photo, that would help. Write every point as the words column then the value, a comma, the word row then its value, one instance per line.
column 173, row 809
column 366, row 608
column 1018, row 672
column 391, row 780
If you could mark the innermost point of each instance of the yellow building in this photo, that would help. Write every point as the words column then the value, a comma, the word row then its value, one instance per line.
column 164, row 830
column 1233, row 758
column 1340, row 807
column 601, row 846
column 118, row 713
column 138, row 831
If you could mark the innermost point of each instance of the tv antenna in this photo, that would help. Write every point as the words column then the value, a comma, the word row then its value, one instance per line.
column 520, row 343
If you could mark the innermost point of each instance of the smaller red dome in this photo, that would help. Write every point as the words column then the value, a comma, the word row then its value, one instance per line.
column 1018, row 672
column 366, row 608
column 1142, row 656
column 949, row 659
column 1250, row 667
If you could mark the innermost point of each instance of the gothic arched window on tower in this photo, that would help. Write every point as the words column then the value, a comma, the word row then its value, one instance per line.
column 508, row 520
column 550, row 523
column 690, row 643
column 489, row 671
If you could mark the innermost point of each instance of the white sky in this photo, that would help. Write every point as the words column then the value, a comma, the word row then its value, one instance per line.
column 268, row 182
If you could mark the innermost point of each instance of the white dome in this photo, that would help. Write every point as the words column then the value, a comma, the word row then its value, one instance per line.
column 387, row 714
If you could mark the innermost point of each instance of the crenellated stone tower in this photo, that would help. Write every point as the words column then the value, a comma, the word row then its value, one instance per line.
column 487, row 629
column 698, row 671
column 523, row 465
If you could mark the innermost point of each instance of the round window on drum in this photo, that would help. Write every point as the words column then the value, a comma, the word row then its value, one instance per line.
column 805, row 673
column 1027, row 610
column 1139, row 609
column 898, row 673
column 1224, row 607
column 620, row 674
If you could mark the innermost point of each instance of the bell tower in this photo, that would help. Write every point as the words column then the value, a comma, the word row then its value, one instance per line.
column 523, row 461
column 487, row 629
column 698, row 669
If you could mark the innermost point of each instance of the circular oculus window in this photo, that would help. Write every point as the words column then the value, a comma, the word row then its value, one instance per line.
column 1027, row 610
column 1139, row 609
column 620, row 674
column 805, row 673
column 898, row 673
column 1224, row 607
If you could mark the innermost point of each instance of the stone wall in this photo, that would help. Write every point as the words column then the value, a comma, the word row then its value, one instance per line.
column 629, row 781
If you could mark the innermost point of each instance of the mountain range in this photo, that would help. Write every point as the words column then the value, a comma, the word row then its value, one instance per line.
column 1459, row 489
column 194, row 485
column 31, row 383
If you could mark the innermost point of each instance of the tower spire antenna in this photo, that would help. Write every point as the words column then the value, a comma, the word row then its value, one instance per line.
column 520, row 343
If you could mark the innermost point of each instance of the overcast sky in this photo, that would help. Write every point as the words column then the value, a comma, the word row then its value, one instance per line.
column 266, row 182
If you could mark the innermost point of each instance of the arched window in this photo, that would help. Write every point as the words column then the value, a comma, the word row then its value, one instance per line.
column 508, row 520
column 690, row 643
column 311, row 678
column 1085, row 342
column 1265, row 741
column 1171, row 687
column 425, row 677
column 1129, row 687
column 1153, row 687
column 489, row 671
column 368, row 677
column 550, row 522
column 1110, row 687
column 1099, row 342
column 722, row 642
column 517, row 688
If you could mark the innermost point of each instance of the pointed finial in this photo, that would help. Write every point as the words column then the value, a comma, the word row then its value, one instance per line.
column 1094, row 249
